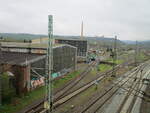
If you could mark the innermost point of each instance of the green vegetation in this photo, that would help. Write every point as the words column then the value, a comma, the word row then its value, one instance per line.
column 118, row 61
column 104, row 67
column 20, row 36
column 94, row 71
column 141, row 57
column 62, row 81
column 19, row 103
column 100, row 68
column 8, row 91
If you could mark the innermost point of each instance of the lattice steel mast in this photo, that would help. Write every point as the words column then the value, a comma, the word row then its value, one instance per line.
column 114, row 56
column 135, row 58
column 49, row 66
column 0, row 80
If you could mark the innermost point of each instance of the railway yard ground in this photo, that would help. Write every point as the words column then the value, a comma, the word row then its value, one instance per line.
column 74, row 56
column 87, row 95
column 39, row 93
column 77, row 90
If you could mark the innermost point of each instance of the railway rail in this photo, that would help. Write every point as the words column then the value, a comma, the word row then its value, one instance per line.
column 132, row 95
column 97, row 104
column 60, row 92
column 67, row 97
column 60, row 98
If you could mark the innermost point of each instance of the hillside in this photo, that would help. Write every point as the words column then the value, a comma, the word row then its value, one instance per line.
column 94, row 40
column 20, row 36
column 145, row 44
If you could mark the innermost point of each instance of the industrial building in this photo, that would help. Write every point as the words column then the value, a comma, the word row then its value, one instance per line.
column 62, row 53
column 27, row 63
column 19, row 64
column 81, row 45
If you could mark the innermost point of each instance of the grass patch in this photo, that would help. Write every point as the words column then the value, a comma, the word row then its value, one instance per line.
column 118, row 61
column 104, row 67
column 62, row 81
column 142, row 57
column 22, row 102
column 93, row 71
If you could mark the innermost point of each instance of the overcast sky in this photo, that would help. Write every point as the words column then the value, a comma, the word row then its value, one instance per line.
column 129, row 19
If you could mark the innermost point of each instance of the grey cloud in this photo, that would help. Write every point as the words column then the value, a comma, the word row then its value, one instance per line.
column 129, row 19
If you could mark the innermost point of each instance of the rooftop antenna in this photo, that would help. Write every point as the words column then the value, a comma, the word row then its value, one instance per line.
column 49, row 67
column 82, row 30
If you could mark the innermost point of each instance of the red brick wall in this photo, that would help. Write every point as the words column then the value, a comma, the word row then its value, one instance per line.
column 22, row 74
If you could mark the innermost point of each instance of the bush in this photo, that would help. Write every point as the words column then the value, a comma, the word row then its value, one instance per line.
column 8, row 91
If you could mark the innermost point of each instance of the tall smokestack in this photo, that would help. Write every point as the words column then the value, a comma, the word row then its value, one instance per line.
column 82, row 30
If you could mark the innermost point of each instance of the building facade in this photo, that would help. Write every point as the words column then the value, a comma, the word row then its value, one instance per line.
column 81, row 45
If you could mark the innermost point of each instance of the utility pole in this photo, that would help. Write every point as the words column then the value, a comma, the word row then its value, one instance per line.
column 114, row 56
column 0, row 90
column 49, row 67
column 0, row 81
column 135, row 58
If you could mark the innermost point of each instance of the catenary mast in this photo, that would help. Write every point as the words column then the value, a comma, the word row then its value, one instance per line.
column 49, row 67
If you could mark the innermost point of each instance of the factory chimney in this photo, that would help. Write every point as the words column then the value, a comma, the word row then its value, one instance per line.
column 82, row 30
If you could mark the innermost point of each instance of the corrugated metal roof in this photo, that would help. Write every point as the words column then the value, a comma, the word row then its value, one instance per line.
column 16, row 58
column 31, row 45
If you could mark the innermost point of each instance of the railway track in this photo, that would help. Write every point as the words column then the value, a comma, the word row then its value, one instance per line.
column 67, row 97
column 60, row 92
column 98, row 102
column 60, row 98
column 132, row 95
column 104, row 97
